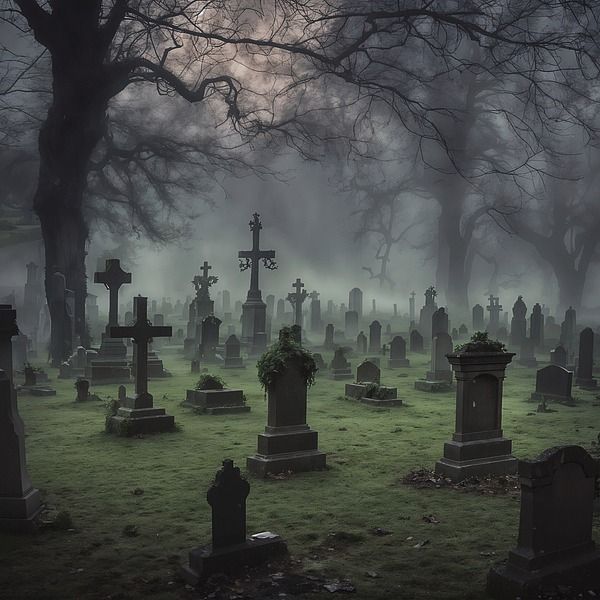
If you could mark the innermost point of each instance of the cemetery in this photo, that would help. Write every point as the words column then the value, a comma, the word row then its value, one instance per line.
column 299, row 300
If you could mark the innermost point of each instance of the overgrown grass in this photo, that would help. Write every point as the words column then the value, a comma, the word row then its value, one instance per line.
column 98, row 479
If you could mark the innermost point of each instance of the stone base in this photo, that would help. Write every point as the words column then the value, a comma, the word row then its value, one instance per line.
column 203, row 561
column 296, row 462
column 537, row 397
column 354, row 390
column 36, row 390
column 140, row 421
column 481, row 457
column 506, row 581
column 100, row 372
column 424, row 385
column 340, row 374
column 234, row 363
column 382, row 403
column 398, row 363
column 216, row 401
column 586, row 384
column 20, row 515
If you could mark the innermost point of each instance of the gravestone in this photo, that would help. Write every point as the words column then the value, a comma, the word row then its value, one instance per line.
column 477, row 318
column 226, row 302
column 536, row 326
column 233, row 358
column 558, row 357
column 216, row 401
column 319, row 361
column 568, row 329
column 230, row 549
column 494, row 308
column 210, row 338
column 463, row 331
column 82, row 386
column 60, row 301
column 20, row 502
column 416, row 341
column 526, row 354
column 355, row 301
column 368, row 372
column 553, row 383
column 111, row 366
column 361, row 343
column 315, row 312
column 397, row 357
column 137, row 415
column 439, row 378
column 296, row 299
column 254, row 310
column 555, row 550
column 351, row 324
column 288, row 443
column 518, row 324
column 375, row 337
column 367, row 388
column 427, row 311
column 329, row 331
column 201, row 307
column 585, row 364
column 439, row 322
column 339, row 367
column 478, row 446
column 279, row 315
column 195, row 366
column 411, row 307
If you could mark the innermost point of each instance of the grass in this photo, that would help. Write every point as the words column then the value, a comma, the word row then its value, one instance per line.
column 129, row 546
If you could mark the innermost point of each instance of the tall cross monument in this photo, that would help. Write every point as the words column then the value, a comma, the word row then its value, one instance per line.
column 296, row 299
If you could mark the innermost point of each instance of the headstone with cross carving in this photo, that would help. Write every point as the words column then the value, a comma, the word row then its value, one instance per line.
column 111, row 366
column 427, row 311
column 20, row 502
column 494, row 308
column 296, row 299
column 200, row 307
column 137, row 415
column 230, row 549
column 254, row 310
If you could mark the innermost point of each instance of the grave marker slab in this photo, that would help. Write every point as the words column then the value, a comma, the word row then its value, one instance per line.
column 585, row 364
column 397, row 357
column 553, row 383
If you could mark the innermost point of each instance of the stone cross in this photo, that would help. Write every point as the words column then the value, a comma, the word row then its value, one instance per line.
column 205, row 269
column 296, row 299
column 142, row 333
column 254, row 256
column 494, row 308
column 113, row 278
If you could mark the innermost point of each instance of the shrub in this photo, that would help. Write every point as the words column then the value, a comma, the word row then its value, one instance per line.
column 208, row 381
column 480, row 342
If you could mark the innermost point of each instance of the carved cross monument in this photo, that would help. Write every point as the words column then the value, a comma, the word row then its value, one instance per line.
column 296, row 299
column 113, row 278
column 254, row 310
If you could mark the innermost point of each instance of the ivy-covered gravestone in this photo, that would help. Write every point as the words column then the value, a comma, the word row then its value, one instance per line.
column 286, row 371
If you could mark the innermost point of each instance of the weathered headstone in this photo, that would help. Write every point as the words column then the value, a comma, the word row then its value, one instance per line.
column 397, row 357
column 233, row 358
column 329, row 331
column 137, row 415
column 367, row 388
column 355, row 301
column 518, row 324
column 478, row 446
column 82, row 386
column 555, row 551
column 553, row 383
column 20, row 502
column 585, row 364
column 536, row 326
column 351, row 324
column 558, row 357
column 416, row 341
column 477, row 318
column 427, row 311
column 368, row 372
column 296, row 299
column 340, row 367
column 361, row 343
column 230, row 549
column 439, row 322
column 210, row 338
column 494, row 308
column 439, row 378
column 375, row 337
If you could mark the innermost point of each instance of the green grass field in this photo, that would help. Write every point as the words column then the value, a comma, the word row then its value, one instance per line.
column 92, row 475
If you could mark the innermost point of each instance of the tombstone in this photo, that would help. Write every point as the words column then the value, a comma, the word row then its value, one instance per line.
column 351, row 324
column 397, row 357
column 368, row 372
column 416, row 341
column 439, row 322
column 361, row 343
column 375, row 337
column 477, row 318
column 439, row 379
column 558, row 357
column 20, row 502
column 33, row 299
column 411, row 307
column 329, row 331
column 463, row 331
column 195, row 366
column 110, row 366
column 494, row 308
column 315, row 312
column 536, row 326
column 555, row 550
column 254, row 310
column 230, row 550
column 518, row 324
column 19, row 349
column 526, row 354
column 553, row 383
column 478, row 446
column 210, row 338
column 568, row 329
column 296, row 299
column 288, row 443
column 233, row 358
column 339, row 367
column 355, row 301
column 318, row 357
column 226, row 302
column 137, row 415
column 427, row 311
column 216, row 401
column 83, row 390
column 585, row 364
